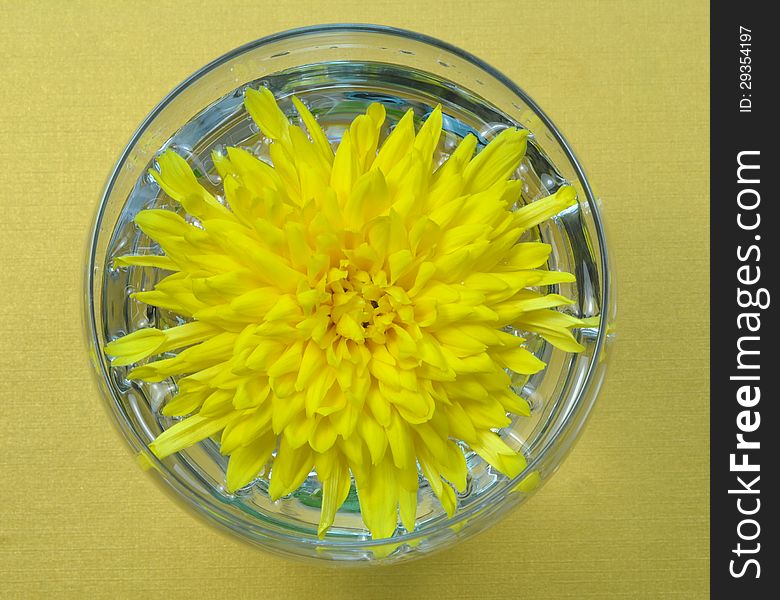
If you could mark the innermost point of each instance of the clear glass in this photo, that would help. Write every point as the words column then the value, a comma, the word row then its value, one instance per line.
column 338, row 70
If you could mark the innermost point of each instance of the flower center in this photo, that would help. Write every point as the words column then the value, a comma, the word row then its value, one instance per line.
column 363, row 305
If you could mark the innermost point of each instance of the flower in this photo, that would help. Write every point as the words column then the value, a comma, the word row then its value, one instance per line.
column 348, row 313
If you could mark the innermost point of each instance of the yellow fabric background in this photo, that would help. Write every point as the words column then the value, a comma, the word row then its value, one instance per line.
column 626, row 516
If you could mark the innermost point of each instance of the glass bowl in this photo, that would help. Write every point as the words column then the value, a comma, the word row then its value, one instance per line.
column 338, row 70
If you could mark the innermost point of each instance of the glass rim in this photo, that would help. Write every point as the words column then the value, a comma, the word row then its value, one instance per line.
column 465, row 514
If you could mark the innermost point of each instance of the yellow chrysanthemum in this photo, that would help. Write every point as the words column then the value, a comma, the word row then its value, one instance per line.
column 348, row 312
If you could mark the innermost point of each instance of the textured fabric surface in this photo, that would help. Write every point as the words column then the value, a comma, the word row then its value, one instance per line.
column 627, row 514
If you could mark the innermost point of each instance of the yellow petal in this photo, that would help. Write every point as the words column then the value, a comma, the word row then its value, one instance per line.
column 264, row 110
column 290, row 468
column 323, row 436
column 520, row 360
column 510, row 311
column 407, row 508
column 399, row 439
column 526, row 255
column 364, row 134
column 322, row 397
column 534, row 213
column 245, row 463
column 459, row 423
column 186, row 433
column 179, row 182
column 398, row 263
column 185, row 403
column 288, row 362
column 335, row 489
column 256, row 175
column 217, row 403
column 272, row 268
column 454, row 165
column 491, row 448
column 369, row 198
column 314, row 129
column 312, row 361
column 285, row 408
column 514, row 403
column 298, row 431
column 248, row 426
column 497, row 161
column 443, row 491
column 448, row 500
column 346, row 169
column 374, row 436
column 348, row 327
column 428, row 136
column 553, row 326
column 397, row 145
column 256, row 303
column 379, row 500
column 135, row 346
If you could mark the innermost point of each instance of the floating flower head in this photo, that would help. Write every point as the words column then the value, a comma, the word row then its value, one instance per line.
column 347, row 313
